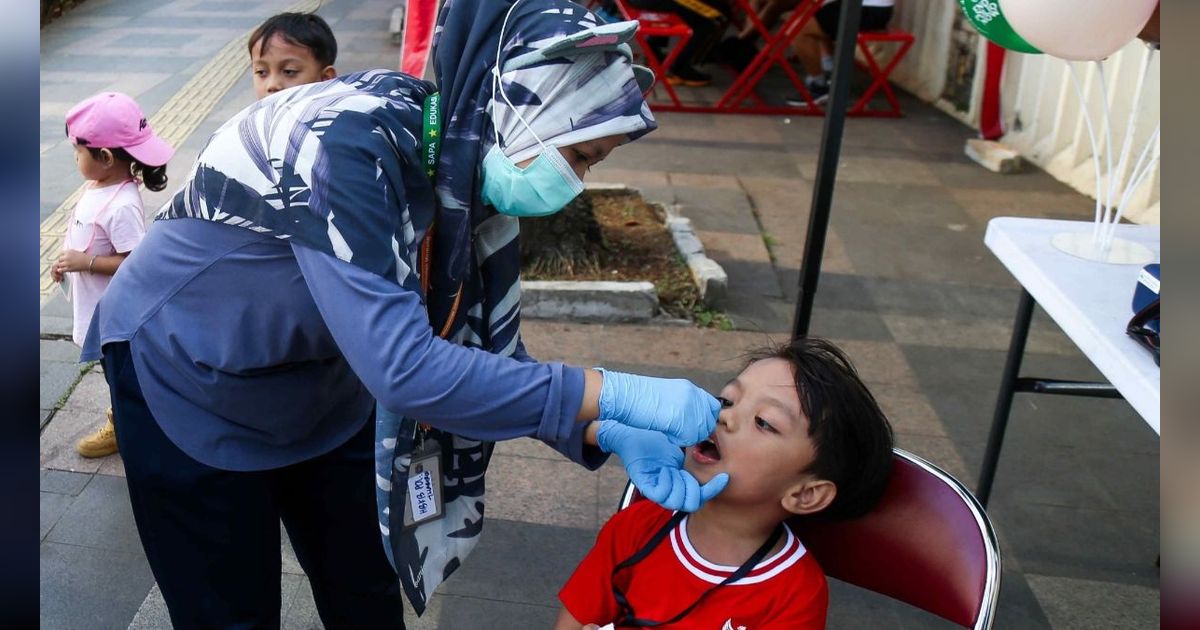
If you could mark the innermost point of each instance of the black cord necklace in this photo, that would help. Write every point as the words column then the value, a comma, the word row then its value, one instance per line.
column 625, row 614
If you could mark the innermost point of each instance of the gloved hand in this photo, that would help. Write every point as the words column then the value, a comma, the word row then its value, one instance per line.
column 655, row 466
column 673, row 406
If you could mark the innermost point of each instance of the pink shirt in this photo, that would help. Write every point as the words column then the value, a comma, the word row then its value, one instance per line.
column 106, row 221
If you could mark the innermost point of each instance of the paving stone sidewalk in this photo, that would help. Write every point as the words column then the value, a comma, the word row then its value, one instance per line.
column 908, row 289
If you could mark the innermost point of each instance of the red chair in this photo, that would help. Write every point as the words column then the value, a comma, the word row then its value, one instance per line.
column 929, row 544
column 652, row 24
column 879, row 76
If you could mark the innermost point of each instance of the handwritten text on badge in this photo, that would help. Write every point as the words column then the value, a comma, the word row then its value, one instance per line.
column 422, row 496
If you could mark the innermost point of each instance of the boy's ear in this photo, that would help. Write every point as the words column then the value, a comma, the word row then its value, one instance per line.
column 809, row 496
column 328, row 73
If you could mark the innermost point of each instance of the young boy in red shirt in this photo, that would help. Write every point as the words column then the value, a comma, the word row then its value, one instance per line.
column 799, row 435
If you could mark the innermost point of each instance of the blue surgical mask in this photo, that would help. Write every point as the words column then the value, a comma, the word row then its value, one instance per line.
column 543, row 187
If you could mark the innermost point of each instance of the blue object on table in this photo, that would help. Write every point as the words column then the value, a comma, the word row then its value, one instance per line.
column 1147, row 287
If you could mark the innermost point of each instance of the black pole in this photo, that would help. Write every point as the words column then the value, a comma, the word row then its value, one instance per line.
column 827, row 163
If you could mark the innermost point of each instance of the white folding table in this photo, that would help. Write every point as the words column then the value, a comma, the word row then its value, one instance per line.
column 1090, row 301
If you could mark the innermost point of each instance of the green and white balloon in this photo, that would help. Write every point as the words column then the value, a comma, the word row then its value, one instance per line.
column 987, row 18
column 1079, row 30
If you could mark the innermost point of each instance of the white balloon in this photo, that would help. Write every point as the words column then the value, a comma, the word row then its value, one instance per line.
column 1080, row 30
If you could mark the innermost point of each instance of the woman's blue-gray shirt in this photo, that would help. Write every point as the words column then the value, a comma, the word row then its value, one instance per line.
column 254, row 353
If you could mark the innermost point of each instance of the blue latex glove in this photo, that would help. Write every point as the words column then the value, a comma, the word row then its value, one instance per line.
column 655, row 466
column 673, row 406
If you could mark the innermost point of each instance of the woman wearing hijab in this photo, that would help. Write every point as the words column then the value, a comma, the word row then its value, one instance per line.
column 322, row 326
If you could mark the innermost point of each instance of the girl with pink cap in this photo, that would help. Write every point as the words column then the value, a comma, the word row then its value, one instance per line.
column 115, row 150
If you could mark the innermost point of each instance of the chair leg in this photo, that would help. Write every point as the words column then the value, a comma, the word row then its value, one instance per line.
column 773, row 53
column 879, row 78
column 660, row 77
column 887, row 72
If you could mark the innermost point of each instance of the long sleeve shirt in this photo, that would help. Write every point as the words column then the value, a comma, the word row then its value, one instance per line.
column 253, row 353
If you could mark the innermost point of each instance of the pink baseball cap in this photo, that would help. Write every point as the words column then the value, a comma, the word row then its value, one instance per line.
column 112, row 120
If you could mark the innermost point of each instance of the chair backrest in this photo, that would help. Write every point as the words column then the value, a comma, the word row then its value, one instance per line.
column 928, row 543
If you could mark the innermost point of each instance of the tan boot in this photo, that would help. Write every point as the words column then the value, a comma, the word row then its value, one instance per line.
column 102, row 443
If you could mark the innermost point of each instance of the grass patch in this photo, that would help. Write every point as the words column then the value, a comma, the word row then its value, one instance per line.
column 83, row 369
column 627, row 241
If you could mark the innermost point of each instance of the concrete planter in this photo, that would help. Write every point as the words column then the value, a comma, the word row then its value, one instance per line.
column 602, row 301
column 592, row 301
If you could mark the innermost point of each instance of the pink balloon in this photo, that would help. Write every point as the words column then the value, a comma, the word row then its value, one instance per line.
column 1080, row 30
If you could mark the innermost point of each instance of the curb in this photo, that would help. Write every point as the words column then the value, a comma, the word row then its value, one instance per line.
column 589, row 301
column 708, row 275
column 607, row 301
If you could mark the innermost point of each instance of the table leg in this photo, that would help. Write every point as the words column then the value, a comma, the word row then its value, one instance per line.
column 1008, row 385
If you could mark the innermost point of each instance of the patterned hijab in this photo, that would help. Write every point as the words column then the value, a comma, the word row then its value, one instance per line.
column 565, row 99
column 291, row 166
column 476, row 257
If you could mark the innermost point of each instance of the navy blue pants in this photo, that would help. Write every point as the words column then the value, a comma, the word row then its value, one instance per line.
column 212, row 536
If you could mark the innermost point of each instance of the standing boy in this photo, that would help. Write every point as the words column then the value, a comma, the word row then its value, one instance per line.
column 291, row 49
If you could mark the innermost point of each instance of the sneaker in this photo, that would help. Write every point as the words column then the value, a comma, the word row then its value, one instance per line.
column 688, row 76
column 818, row 89
column 102, row 443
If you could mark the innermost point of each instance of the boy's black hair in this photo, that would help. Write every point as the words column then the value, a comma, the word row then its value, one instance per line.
column 852, row 436
column 302, row 29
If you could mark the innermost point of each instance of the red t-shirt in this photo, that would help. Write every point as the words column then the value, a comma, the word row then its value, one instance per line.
column 787, row 590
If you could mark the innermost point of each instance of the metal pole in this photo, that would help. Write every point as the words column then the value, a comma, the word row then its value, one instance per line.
column 827, row 163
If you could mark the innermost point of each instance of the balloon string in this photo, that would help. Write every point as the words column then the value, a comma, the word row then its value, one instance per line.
column 1087, row 120
column 1114, row 183
column 1137, row 176
column 1037, row 107
column 1108, row 143
column 1112, row 229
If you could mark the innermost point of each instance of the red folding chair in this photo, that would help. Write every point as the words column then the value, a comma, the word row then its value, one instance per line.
column 773, row 53
column 879, row 76
column 928, row 543
column 652, row 24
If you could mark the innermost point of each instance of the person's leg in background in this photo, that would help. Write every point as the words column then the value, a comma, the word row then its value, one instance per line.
column 810, row 45
column 707, row 19
column 768, row 12
column 739, row 50
column 814, row 46
column 211, row 536
column 328, row 506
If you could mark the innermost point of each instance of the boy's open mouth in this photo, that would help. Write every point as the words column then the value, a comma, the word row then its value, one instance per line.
column 707, row 451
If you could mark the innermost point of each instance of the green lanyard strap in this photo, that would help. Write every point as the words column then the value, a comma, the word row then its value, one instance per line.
column 431, row 145
column 431, row 133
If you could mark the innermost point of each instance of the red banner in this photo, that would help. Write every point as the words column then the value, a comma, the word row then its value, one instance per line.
column 419, row 20
column 991, row 123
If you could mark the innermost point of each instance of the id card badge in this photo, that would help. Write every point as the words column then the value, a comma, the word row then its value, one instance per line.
column 424, row 484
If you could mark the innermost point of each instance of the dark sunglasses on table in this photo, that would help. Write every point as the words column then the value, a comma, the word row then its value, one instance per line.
column 1144, row 329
